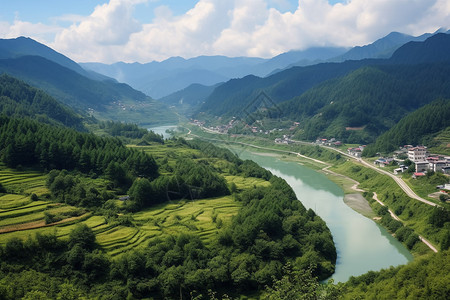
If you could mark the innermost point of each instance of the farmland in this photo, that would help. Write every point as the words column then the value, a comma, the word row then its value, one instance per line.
column 23, row 217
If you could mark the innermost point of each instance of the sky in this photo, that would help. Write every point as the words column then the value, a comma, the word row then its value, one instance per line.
column 109, row 31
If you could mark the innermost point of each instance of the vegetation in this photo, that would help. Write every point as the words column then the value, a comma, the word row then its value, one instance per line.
column 17, row 99
column 105, row 99
column 418, row 128
column 423, row 278
column 414, row 214
column 194, row 244
column 362, row 105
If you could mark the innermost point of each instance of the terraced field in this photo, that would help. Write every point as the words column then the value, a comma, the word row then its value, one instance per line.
column 22, row 217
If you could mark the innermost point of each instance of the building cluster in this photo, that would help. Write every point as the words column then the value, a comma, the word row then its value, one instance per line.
column 286, row 139
column 425, row 161
column 356, row 151
column 328, row 142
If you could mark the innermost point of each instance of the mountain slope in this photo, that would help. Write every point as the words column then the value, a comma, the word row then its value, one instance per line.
column 22, row 46
column 105, row 99
column 434, row 49
column 419, row 127
column 17, row 99
column 381, row 48
column 360, row 106
column 189, row 99
column 160, row 79
column 232, row 97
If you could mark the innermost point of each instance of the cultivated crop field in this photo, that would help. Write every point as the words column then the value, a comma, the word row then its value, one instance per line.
column 22, row 217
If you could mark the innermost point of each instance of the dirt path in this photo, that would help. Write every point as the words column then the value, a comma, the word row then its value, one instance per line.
column 38, row 224
column 425, row 241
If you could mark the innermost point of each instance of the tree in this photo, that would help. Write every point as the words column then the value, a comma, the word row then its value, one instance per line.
column 300, row 284
column 140, row 192
column 83, row 236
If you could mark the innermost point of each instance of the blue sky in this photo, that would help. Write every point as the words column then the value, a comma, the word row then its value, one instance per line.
column 146, row 30
column 45, row 11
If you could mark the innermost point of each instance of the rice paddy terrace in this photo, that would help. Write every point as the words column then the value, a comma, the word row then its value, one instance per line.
column 26, row 206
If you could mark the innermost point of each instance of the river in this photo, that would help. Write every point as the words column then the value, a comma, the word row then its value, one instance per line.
column 362, row 245
column 162, row 130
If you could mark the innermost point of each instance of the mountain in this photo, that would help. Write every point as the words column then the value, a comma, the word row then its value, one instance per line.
column 159, row 79
column 381, row 48
column 22, row 46
column 230, row 98
column 20, row 100
column 434, row 49
column 417, row 128
column 294, row 58
column 360, row 106
column 104, row 99
column 189, row 99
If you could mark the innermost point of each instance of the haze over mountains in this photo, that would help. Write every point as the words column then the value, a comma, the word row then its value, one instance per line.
column 86, row 92
column 321, row 86
column 160, row 79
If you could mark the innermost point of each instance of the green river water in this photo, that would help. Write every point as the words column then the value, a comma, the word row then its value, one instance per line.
column 362, row 245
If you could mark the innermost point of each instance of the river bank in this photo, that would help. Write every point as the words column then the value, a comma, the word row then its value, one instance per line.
column 362, row 245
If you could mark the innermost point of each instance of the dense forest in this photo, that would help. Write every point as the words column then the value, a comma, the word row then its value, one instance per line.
column 424, row 278
column 270, row 229
column 418, row 128
column 364, row 104
column 18, row 99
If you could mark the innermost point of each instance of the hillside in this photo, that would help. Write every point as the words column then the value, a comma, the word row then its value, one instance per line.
column 189, row 99
column 421, row 127
column 433, row 49
column 381, row 48
column 362, row 105
column 193, row 209
column 104, row 99
column 18, row 99
column 22, row 46
column 425, row 278
column 230, row 98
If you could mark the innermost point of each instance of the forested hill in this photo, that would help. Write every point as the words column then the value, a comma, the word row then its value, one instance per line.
column 18, row 99
column 106, row 99
column 419, row 127
column 362, row 105
column 433, row 49
column 22, row 46
column 231, row 97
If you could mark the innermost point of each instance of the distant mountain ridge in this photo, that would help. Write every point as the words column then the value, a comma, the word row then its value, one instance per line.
column 22, row 46
column 67, row 82
column 160, row 79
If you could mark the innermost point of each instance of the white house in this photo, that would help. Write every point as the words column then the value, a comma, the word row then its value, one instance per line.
column 416, row 154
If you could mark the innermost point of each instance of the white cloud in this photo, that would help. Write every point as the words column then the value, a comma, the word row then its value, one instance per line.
column 232, row 27
column 40, row 32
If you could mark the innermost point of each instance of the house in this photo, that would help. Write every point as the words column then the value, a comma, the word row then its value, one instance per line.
column 400, row 169
column 418, row 174
column 446, row 170
column 382, row 162
column 356, row 152
column 416, row 154
column 422, row 166
column 437, row 165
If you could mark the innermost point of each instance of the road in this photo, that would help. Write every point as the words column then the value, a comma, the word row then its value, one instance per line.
column 398, row 180
column 393, row 215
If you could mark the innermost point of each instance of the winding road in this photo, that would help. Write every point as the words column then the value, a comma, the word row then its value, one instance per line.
column 398, row 180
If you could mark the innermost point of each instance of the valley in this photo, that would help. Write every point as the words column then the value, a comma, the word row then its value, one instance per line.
column 221, row 177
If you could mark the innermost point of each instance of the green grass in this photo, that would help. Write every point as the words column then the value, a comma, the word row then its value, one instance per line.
column 413, row 213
